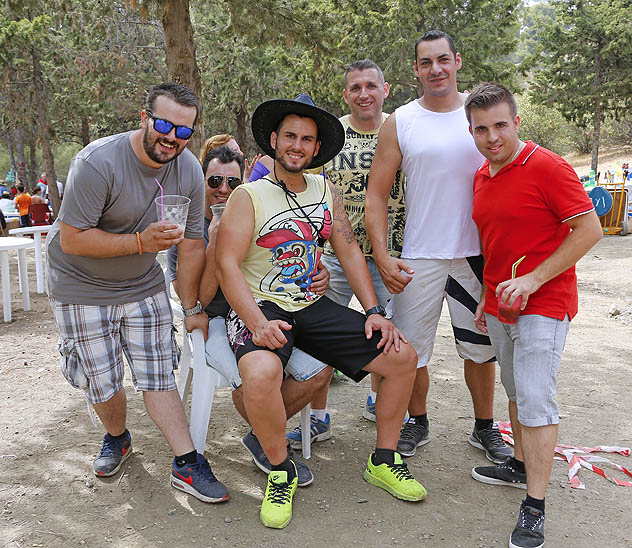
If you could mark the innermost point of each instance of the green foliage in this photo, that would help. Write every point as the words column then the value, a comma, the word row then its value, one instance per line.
column 532, row 18
column 584, row 57
column 249, row 52
column 545, row 126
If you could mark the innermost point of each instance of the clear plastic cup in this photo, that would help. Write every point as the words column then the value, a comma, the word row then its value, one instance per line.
column 173, row 209
column 218, row 209
column 509, row 314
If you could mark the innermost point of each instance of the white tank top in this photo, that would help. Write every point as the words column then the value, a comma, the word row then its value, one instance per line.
column 439, row 160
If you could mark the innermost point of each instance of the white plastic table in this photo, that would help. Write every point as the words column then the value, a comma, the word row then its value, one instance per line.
column 37, row 235
column 20, row 245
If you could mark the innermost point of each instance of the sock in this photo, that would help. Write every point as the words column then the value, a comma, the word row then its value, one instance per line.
column 482, row 424
column 320, row 414
column 188, row 458
column 383, row 456
column 520, row 466
column 285, row 466
column 420, row 419
column 373, row 396
column 120, row 437
column 535, row 503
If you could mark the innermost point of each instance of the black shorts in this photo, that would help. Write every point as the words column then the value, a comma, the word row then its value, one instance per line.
column 329, row 332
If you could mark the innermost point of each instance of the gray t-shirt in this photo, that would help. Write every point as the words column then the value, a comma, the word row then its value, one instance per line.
column 110, row 189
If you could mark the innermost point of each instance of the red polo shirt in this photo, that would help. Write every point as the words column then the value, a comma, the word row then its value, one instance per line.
column 521, row 211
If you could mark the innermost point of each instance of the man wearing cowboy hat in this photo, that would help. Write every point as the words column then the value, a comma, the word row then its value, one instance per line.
column 269, row 243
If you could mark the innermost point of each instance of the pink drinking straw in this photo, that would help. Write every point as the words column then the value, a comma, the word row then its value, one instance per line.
column 162, row 204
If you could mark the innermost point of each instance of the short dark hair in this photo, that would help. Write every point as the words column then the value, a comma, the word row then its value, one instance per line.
column 36, row 190
column 280, row 123
column 20, row 188
column 364, row 64
column 180, row 93
column 487, row 95
column 432, row 35
column 225, row 155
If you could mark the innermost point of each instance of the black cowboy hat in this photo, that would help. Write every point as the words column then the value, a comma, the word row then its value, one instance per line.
column 267, row 115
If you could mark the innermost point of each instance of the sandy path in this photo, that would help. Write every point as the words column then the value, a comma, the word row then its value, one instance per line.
column 49, row 497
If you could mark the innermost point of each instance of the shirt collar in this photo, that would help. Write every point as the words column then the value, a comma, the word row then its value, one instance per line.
column 521, row 159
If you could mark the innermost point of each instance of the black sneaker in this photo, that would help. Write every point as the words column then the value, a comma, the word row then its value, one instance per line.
column 491, row 441
column 529, row 531
column 251, row 443
column 502, row 474
column 198, row 480
column 112, row 455
column 413, row 435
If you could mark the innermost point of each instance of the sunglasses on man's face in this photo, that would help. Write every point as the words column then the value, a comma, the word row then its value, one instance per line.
column 215, row 181
column 165, row 126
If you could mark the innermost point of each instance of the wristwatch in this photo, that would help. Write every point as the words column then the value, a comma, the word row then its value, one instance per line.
column 192, row 311
column 379, row 309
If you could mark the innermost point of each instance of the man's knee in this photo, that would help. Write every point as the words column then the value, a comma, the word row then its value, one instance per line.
column 322, row 378
column 406, row 358
column 262, row 369
column 402, row 363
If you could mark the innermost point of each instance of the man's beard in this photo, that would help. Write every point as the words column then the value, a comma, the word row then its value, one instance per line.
column 292, row 169
column 150, row 149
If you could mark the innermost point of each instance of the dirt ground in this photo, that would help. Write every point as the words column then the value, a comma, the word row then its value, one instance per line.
column 49, row 497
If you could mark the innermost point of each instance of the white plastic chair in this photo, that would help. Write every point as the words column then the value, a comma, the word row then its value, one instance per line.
column 195, row 371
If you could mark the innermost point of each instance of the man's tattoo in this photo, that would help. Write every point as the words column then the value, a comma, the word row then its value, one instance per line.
column 341, row 220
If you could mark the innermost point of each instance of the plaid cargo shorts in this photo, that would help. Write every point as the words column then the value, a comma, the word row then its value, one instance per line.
column 93, row 339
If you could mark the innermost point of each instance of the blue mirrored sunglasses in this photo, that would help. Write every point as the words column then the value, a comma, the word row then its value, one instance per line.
column 165, row 126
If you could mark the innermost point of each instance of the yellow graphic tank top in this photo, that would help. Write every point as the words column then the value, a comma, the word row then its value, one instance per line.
column 349, row 172
column 290, row 232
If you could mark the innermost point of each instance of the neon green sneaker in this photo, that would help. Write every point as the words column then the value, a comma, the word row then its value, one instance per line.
column 276, row 508
column 395, row 478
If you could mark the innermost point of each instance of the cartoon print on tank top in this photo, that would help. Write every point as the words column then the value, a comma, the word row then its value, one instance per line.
column 296, row 244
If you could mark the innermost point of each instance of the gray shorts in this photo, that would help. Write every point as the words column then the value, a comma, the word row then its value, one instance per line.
column 417, row 309
column 339, row 289
column 220, row 357
column 529, row 354
column 93, row 340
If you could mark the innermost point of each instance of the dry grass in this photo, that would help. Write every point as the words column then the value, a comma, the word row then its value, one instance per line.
column 609, row 157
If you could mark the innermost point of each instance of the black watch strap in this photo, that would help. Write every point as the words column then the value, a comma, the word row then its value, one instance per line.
column 379, row 309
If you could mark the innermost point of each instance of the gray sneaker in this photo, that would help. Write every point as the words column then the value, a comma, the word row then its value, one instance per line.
column 112, row 455
column 502, row 474
column 490, row 440
column 251, row 443
column 413, row 435
column 529, row 531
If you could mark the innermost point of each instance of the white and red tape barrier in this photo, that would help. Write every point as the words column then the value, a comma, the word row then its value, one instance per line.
column 578, row 457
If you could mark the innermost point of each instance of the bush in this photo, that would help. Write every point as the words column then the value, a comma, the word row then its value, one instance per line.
column 545, row 126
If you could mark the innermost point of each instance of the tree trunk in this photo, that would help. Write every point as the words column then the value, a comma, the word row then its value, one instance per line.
column 241, row 118
column 42, row 115
column 180, row 57
column 596, row 89
column 596, row 135
column 19, row 146
column 32, row 169
column 9, row 138
column 85, row 131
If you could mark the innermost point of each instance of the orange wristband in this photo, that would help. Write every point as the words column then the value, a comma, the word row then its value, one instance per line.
column 140, row 246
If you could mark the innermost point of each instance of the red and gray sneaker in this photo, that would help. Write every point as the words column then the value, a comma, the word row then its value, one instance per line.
column 112, row 455
column 198, row 480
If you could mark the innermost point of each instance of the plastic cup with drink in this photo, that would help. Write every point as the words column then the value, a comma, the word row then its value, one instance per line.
column 218, row 209
column 173, row 209
column 509, row 314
